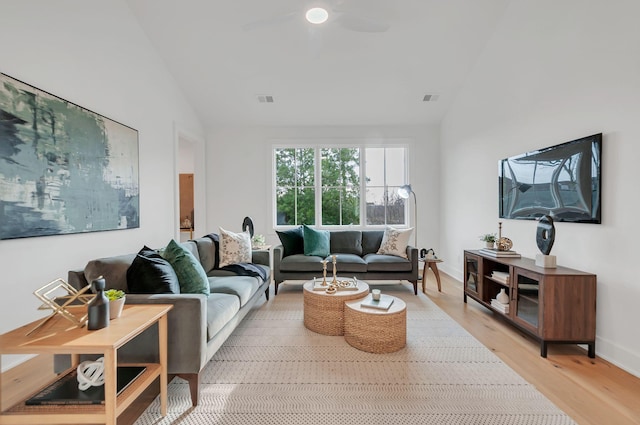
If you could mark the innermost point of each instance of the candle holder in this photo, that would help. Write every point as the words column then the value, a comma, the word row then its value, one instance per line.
column 324, row 272
column 335, row 272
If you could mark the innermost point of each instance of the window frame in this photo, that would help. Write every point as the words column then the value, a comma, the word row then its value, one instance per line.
column 317, row 146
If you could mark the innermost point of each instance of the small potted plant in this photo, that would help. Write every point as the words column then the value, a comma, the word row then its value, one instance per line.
column 489, row 239
column 257, row 241
column 116, row 302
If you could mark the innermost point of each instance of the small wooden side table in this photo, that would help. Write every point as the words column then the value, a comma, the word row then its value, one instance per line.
column 430, row 263
column 59, row 336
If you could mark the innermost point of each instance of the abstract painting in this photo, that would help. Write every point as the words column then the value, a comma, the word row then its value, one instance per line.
column 63, row 169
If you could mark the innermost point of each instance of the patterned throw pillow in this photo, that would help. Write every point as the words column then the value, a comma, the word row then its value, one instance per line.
column 395, row 241
column 234, row 247
column 191, row 276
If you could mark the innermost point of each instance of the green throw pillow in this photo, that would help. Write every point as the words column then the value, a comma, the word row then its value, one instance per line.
column 191, row 276
column 316, row 242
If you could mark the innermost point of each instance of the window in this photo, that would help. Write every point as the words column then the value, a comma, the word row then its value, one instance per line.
column 386, row 171
column 339, row 186
column 295, row 188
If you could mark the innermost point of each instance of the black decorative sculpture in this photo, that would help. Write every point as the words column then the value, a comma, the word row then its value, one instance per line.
column 98, row 307
column 247, row 222
column 545, row 234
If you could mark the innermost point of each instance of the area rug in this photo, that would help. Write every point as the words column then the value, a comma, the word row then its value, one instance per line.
column 273, row 370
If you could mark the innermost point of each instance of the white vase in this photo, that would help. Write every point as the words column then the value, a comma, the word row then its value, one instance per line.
column 489, row 245
column 115, row 308
column 502, row 297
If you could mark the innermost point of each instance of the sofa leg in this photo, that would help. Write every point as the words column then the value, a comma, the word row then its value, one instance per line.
column 266, row 293
column 415, row 286
column 193, row 379
column 275, row 288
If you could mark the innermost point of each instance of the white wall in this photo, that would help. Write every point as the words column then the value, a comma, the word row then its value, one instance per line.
column 95, row 55
column 554, row 72
column 239, row 176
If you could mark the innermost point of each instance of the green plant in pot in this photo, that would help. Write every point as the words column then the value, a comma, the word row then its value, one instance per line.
column 116, row 302
column 489, row 239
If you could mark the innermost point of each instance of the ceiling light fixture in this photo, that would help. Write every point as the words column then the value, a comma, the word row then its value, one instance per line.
column 317, row 15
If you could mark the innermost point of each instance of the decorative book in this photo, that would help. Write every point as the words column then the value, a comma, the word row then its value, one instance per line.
column 498, row 254
column 383, row 303
column 65, row 390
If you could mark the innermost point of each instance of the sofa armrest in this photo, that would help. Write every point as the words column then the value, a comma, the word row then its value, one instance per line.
column 412, row 255
column 187, row 332
column 261, row 257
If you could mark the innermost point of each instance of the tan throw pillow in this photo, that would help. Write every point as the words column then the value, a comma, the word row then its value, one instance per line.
column 395, row 241
column 234, row 247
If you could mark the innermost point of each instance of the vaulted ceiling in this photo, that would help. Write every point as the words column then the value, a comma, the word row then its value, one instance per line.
column 225, row 54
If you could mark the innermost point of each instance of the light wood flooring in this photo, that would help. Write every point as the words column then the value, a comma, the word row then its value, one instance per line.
column 591, row 391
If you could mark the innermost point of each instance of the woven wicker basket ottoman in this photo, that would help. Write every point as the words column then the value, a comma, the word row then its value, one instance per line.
column 324, row 313
column 373, row 330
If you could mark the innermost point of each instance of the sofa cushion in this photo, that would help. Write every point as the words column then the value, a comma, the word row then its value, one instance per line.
column 241, row 286
column 347, row 242
column 371, row 240
column 346, row 263
column 113, row 269
column 395, row 241
column 207, row 253
column 386, row 263
column 301, row 263
column 151, row 274
column 292, row 241
column 191, row 275
column 234, row 247
column 316, row 242
column 220, row 310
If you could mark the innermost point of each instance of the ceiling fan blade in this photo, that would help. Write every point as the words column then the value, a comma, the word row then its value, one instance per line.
column 272, row 21
column 360, row 23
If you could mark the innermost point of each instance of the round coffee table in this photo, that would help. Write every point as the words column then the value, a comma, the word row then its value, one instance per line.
column 324, row 313
column 373, row 330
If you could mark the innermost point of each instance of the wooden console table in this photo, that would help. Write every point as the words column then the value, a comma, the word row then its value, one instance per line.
column 59, row 336
column 554, row 305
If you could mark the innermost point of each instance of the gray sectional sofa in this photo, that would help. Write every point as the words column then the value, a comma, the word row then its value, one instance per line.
column 356, row 255
column 198, row 324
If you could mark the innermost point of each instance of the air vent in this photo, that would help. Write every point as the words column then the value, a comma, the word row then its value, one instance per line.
column 262, row 98
column 430, row 97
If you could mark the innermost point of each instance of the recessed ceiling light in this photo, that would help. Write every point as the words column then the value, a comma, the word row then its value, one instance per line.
column 317, row 15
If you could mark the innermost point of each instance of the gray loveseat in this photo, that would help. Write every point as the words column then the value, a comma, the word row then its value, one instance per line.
column 356, row 255
column 198, row 324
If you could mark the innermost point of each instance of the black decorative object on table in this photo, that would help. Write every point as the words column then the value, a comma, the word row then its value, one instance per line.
column 247, row 223
column 545, row 234
column 98, row 307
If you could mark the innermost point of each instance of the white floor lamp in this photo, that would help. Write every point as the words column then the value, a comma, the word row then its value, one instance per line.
column 404, row 192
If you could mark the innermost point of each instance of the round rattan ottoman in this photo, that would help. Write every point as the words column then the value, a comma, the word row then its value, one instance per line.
column 324, row 313
column 373, row 330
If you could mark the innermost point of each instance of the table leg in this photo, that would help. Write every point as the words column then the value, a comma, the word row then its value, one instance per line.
column 434, row 267
column 424, row 276
column 162, row 347
column 110, row 377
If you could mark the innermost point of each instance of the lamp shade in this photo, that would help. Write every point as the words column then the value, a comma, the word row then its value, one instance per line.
column 405, row 191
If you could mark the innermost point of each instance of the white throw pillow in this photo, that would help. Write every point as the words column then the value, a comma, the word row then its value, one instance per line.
column 234, row 247
column 395, row 241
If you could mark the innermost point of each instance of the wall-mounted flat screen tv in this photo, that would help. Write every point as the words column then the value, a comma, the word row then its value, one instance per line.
column 563, row 181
